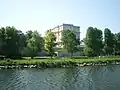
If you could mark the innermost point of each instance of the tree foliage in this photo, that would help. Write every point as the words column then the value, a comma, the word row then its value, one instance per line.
column 70, row 43
column 34, row 44
column 14, row 43
column 93, row 42
column 11, row 42
column 50, row 43
column 109, row 41
column 117, row 44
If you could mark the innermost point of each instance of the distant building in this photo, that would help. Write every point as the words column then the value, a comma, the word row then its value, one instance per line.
column 58, row 29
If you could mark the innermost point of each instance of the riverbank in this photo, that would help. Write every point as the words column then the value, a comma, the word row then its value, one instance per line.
column 57, row 62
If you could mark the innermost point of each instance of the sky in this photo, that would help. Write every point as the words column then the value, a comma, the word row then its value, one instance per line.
column 42, row 15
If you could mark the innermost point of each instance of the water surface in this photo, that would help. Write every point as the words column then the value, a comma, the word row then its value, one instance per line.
column 82, row 78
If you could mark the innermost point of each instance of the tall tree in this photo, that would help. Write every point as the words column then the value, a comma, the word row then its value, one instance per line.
column 70, row 43
column 34, row 44
column 2, row 40
column 50, row 43
column 109, row 41
column 117, row 44
column 10, row 42
column 22, row 41
column 93, row 42
column 29, row 34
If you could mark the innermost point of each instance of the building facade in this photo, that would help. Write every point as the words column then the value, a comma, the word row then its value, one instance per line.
column 58, row 31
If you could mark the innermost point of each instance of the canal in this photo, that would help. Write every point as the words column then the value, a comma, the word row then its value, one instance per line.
column 82, row 78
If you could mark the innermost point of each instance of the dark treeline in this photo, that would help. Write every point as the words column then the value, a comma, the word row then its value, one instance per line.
column 16, row 44
column 96, row 44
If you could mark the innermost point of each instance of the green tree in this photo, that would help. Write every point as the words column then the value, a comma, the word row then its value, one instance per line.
column 109, row 41
column 70, row 42
column 117, row 44
column 29, row 34
column 34, row 44
column 88, row 51
column 2, row 40
column 93, row 42
column 10, row 39
column 50, row 43
column 22, row 41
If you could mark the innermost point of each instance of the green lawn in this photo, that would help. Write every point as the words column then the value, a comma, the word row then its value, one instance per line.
column 60, row 60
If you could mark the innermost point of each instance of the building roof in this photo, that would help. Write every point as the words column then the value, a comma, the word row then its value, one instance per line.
column 63, row 25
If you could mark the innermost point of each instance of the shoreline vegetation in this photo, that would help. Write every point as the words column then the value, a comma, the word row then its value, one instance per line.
column 99, row 48
column 59, row 62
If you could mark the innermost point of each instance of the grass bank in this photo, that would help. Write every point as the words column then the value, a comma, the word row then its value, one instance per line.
column 58, row 62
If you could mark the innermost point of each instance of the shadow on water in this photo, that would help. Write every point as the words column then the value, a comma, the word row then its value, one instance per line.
column 82, row 78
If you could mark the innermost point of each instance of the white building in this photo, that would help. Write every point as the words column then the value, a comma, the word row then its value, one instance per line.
column 57, row 31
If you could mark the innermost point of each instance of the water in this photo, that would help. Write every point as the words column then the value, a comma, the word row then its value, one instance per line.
column 83, row 78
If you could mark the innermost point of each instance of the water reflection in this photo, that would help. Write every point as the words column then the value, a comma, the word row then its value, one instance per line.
column 82, row 78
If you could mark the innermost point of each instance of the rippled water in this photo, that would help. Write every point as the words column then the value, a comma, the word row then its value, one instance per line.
column 83, row 78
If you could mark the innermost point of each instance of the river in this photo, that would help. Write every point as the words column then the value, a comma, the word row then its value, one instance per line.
column 82, row 78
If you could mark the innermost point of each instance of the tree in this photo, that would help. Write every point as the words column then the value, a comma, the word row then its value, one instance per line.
column 34, row 44
column 22, row 41
column 109, row 42
column 29, row 34
column 70, row 43
column 2, row 40
column 88, row 51
column 93, row 42
column 117, row 44
column 50, row 43
column 10, row 42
